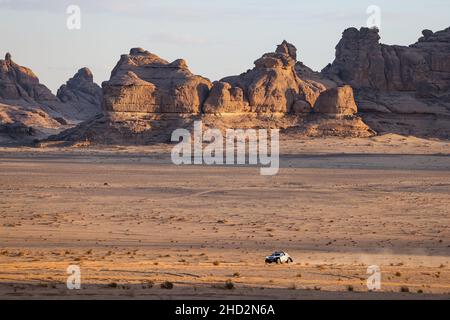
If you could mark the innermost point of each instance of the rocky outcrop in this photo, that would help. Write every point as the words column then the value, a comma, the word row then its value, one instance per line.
column 29, row 110
column 272, row 86
column 21, row 124
column 26, row 111
column 19, row 83
column 435, row 83
column 81, row 95
column 391, row 80
column 339, row 100
column 142, row 82
column 147, row 98
column 224, row 98
column 363, row 62
column 78, row 99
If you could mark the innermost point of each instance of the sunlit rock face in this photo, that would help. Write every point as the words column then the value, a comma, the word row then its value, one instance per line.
column 142, row 82
column 339, row 100
column 272, row 86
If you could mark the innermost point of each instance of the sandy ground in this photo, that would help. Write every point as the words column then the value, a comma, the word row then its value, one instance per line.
column 132, row 220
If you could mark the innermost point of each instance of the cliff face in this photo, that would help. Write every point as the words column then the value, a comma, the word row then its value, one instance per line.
column 401, row 89
column 436, row 48
column 363, row 62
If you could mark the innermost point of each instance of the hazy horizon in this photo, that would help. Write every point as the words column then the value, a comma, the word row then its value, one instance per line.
column 217, row 39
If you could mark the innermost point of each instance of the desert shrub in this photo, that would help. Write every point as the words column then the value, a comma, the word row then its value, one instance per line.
column 167, row 285
column 229, row 285
column 148, row 284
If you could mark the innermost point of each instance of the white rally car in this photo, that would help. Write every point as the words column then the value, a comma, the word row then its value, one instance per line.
column 279, row 257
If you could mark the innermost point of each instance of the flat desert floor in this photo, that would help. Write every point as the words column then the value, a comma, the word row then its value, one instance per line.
column 131, row 220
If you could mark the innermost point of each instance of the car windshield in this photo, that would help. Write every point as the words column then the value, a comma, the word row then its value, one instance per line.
column 277, row 254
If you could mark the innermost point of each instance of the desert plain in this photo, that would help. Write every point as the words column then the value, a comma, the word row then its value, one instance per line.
column 141, row 227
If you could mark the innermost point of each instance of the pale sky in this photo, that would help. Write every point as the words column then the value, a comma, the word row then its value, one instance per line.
column 217, row 38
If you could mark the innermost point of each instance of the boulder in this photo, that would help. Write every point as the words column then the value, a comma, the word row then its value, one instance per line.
column 224, row 98
column 339, row 100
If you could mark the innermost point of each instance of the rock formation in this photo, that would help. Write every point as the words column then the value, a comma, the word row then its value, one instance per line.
column 401, row 89
column 272, row 86
column 20, row 125
column 435, row 82
column 81, row 95
column 224, row 98
column 363, row 62
column 142, row 82
column 337, row 100
column 29, row 110
column 20, row 83
column 147, row 98
column 394, row 84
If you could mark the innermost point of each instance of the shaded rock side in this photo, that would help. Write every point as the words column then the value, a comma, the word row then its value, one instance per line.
column 81, row 95
column 398, row 89
column 363, row 62
column 22, row 125
column 20, row 83
column 29, row 110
